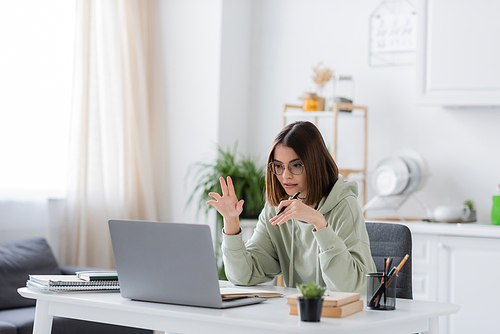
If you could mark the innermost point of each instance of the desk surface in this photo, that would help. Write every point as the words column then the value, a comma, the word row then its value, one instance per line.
column 271, row 316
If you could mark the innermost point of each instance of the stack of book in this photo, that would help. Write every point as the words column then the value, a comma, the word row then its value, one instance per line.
column 335, row 305
column 237, row 293
column 83, row 281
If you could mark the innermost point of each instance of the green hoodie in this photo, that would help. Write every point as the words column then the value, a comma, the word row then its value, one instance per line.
column 337, row 256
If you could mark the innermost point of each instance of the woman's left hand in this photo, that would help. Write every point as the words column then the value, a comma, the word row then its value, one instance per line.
column 298, row 210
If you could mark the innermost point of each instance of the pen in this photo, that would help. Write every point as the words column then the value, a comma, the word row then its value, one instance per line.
column 283, row 208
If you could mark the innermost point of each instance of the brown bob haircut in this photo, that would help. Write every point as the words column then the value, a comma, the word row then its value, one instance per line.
column 321, row 170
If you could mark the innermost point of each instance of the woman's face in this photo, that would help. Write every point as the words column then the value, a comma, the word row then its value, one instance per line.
column 290, row 182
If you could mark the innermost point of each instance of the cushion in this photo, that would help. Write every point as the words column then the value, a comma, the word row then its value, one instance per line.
column 7, row 328
column 18, row 260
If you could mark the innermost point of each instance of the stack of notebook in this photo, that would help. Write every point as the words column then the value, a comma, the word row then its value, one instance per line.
column 87, row 281
column 335, row 305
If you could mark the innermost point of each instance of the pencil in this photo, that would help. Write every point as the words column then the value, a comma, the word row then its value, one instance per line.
column 401, row 264
column 394, row 271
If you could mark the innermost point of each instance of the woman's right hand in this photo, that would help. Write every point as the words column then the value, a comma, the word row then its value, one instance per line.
column 228, row 206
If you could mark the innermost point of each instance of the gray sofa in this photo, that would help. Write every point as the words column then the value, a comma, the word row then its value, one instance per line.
column 18, row 260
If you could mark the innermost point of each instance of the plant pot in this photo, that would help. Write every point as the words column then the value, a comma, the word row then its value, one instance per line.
column 471, row 217
column 310, row 309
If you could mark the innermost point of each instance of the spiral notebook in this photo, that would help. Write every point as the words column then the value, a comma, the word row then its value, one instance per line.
column 69, row 283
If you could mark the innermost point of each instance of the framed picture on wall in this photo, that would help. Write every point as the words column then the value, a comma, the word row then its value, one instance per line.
column 393, row 34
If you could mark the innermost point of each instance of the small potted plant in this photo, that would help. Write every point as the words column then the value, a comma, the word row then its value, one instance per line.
column 472, row 211
column 311, row 302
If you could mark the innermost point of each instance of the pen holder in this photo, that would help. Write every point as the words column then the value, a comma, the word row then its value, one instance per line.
column 381, row 291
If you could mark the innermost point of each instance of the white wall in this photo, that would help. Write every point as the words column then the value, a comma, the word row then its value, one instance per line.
column 190, row 38
column 235, row 74
column 291, row 36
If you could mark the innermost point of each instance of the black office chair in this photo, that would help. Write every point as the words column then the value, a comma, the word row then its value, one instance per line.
column 388, row 239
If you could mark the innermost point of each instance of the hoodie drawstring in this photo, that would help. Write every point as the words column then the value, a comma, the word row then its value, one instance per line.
column 290, row 266
column 317, row 264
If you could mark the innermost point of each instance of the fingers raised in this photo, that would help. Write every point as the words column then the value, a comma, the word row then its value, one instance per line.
column 215, row 195
column 223, row 186
column 230, row 186
column 239, row 205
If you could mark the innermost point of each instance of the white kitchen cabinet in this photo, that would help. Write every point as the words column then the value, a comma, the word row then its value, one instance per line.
column 458, row 53
column 469, row 272
column 459, row 264
column 425, row 267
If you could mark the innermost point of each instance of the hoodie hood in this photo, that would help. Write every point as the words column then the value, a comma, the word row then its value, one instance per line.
column 341, row 190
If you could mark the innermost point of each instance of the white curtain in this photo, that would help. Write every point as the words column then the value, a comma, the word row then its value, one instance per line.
column 110, row 172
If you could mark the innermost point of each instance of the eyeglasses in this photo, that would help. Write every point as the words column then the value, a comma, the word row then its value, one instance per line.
column 277, row 168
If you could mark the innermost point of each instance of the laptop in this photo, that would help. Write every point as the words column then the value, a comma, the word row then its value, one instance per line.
column 170, row 263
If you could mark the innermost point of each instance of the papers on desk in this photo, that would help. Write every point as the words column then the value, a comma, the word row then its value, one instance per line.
column 57, row 283
column 235, row 293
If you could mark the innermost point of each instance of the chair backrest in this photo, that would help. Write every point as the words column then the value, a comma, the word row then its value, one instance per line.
column 388, row 239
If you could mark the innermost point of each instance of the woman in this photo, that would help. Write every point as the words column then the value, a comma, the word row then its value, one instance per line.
column 320, row 236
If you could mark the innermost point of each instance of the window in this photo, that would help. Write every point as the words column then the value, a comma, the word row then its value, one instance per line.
column 36, row 66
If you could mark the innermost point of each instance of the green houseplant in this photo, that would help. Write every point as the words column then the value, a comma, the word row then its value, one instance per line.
column 249, row 184
column 470, row 204
column 311, row 302
column 472, row 211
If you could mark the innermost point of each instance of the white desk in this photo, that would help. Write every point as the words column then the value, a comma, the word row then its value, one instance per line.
column 268, row 317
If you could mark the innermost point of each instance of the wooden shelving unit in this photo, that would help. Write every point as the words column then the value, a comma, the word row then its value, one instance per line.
column 348, row 110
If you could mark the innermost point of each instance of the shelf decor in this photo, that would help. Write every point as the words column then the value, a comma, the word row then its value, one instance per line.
column 321, row 77
column 312, row 102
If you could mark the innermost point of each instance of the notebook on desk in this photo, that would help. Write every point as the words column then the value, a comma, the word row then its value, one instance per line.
column 168, row 263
